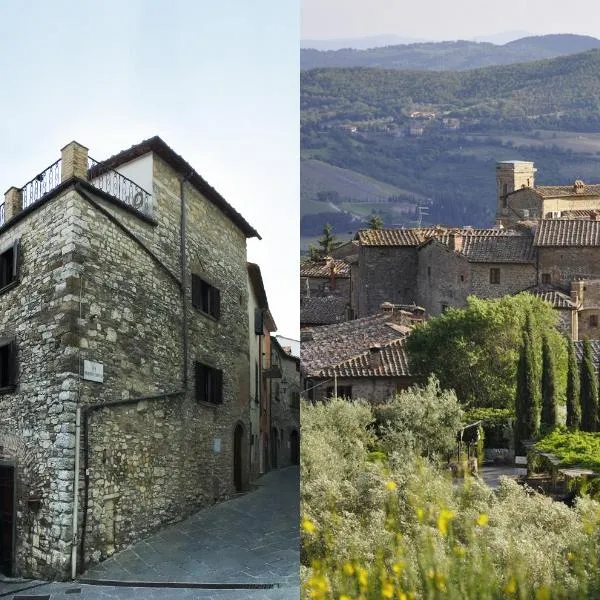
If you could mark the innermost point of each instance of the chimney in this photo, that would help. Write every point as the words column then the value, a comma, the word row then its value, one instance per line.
column 13, row 203
column 577, row 291
column 594, row 215
column 332, row 274
column 455, row 241
column 387, row 307
column 375, row 357
column 74, row 161
column 306, row 335
column 579, row 187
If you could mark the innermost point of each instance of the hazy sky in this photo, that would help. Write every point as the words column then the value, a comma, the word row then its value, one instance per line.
column 218, row 81
column 444, row 20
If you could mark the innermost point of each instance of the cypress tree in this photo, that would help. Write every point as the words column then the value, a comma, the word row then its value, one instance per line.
column 573, row 405
column 520, row 399
column 549, row 392
column 588, row 390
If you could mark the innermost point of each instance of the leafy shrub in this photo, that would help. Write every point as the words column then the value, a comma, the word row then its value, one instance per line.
column 497, row 424
column 574, row 448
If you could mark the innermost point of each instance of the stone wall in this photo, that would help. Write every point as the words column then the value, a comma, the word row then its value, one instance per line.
column 514, row 278
column 386, row 274
column 443, row 278
column 38, row 417
column 322, row 286
column 374, row 389
column 568, row 264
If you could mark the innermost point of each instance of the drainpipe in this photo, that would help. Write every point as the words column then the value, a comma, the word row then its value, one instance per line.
column 76, row 492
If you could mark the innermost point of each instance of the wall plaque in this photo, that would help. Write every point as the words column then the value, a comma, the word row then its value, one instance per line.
column 93, row 371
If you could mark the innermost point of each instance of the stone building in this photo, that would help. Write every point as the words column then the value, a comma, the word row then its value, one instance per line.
column 285, row 407
column 124, row 355
column 518, row 198
column 261, row 325
column 364, row 358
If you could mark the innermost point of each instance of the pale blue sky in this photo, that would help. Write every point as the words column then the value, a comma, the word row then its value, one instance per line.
column 444, row 20
column 218, row 81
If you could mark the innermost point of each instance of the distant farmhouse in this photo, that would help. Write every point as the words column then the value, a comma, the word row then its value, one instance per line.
column 546, row 241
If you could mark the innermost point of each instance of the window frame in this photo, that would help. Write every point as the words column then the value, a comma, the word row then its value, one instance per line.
column 344, row 391
column 593, row 322
column 12, row 266
column 494, row 275
column 546, row 278
column 206, row 297
column 208, row 384
column 9, row 345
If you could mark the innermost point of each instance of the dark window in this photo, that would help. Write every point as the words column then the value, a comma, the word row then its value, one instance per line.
column 9, row 264
column 256, row 383
column 444, row 307
column 593, row 320
column 462, row 277
column 495, row 275
column 259, row 321
column 8, row 365
column 504, row 195
column 343, row 391
column 209, row 384
column 206, row 297
column 428, row 271
column 546, row 278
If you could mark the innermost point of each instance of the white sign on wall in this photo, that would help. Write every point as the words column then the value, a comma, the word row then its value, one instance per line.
column 93, row 371
column 216, row 445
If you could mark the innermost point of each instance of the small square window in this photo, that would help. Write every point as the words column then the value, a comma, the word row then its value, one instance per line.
column 209, row 384
column 495, row 275
column 343, row 391
column 206, row 297
column 444, row 308
column 593, row 320
column 9, row 265
column 8, row 365
column 546, row 278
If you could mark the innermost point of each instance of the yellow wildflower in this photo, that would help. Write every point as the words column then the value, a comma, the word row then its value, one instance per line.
column 387, row 590
column 570, row 556
column 391, row 485
column 348, row 569
column 430, row 573
column 345, row 597
column 402, row 596
column 362, row 577
column 308, row 526
column 440, row 582
column 542, row 593
column 459, row 551
column 397, row 567
column 420, row 514
column 482, row 520
column 511, row 585
column 445, row 517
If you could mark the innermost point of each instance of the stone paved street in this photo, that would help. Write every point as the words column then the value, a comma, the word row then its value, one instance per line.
column 251, row 539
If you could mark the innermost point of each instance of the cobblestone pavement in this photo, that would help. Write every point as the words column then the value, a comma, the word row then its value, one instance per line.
column 250, row 540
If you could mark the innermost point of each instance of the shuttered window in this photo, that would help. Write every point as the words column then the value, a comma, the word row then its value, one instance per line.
column 8, row 365
column 9, row 266
column 206, row 297
column 209, row 384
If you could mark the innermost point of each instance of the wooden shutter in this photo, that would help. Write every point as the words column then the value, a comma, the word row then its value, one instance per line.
column 15, row 264
column 215, row 302
column 259, row 321
column 196, row 291
column 218, row 386
column 12, row 363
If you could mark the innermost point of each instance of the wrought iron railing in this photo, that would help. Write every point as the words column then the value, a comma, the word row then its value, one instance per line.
column 41, row 184
column 119, row 186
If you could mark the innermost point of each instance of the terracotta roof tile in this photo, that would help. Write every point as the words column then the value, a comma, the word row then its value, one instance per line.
column 394, row 237
column 495, row 246
column 553, row 295
column 556, row 191
column 567, row 232
column 393, row 363
column 333, row 344
column 323, row 268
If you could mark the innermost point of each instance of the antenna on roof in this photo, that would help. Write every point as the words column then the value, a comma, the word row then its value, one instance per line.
column 422, row 211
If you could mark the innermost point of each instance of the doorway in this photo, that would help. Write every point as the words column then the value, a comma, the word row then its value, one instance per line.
column 294, row 448
column 7, row 518
column 238, row 443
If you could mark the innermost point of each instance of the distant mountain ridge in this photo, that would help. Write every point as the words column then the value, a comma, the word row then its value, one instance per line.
column 450, row 56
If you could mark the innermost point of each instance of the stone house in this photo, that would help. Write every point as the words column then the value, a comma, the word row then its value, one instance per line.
column 285, row 407
column 261, row 325
column 363, row 358
column 124, row 355
column 518, row 198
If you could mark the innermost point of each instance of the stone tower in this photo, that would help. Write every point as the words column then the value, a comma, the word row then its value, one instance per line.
column 512, row 175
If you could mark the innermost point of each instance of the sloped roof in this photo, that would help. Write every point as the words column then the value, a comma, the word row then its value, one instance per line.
column 393, row 363
column 560, row 191
column 495, row 246
column 322, row 268
column 323, row 310
column 333, row 344
column 394, row 237
column 554, row 296
column 567, row 232
column 159, row 147
column 581, row 213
